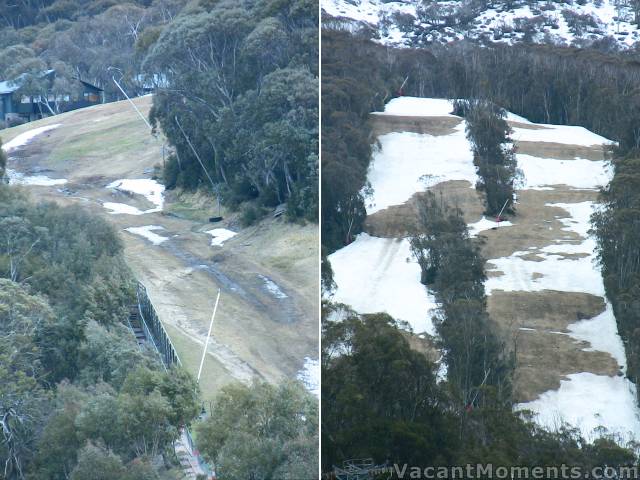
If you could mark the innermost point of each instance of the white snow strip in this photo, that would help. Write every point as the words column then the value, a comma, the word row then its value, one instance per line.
column 540, row 173
column 419, row 107
column 26, row 137
column 381, row 275
column 587, row 402
column 602, row 334
column 118, row 208
column 273, row 287
column 147, row 232
column 150, row 189
column 220, row 235
column 310, row 375
column 484, row 224
column 17, row 178
column 565, row 134
column 409, row 162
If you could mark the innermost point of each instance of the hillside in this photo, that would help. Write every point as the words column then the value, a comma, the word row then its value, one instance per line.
column 105, row 159
column 606, row 24
column 545, row 291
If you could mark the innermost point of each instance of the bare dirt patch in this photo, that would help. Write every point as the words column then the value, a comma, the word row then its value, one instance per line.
column 400, row 220
column 535, row 327
column 436, row 126
column 560, row 151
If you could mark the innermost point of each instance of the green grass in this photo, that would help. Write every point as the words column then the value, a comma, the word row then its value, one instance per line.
column 214, row 376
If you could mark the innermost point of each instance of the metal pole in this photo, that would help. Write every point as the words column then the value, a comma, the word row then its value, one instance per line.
column 132, row 104
column 206, row 343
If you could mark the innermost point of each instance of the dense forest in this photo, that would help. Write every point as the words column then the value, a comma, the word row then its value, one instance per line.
column 235, row 81
column 425, row 421
column 76, row 390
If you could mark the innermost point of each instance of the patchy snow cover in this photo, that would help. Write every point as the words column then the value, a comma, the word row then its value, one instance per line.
column 419, row 107
column 150, row 189
column 407, row 163
column 555, row 271
column 220, row 235
column 546, row 24
column 540, row 173
column 273, row 287
column 17, row 178
column 589, row 401
column 310, row 375
column 148, row 232
column 381, row 275
column 27, row 136
column 486, row 224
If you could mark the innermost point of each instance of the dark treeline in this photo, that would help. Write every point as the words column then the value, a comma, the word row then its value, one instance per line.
column 241, row 108
column 81, row 38
column 381, row 400
column 543, row 83
column 617, row 229
column 493, row 155
column 452, row 266
column 78, row 398
column 236, row 84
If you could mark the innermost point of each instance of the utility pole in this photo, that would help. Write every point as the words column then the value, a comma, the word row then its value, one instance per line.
column 206, row 342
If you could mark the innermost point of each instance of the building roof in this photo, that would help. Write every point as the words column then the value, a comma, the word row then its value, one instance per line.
column 10, row 86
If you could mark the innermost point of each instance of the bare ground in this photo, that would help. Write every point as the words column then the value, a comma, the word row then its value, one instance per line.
column 256, row 334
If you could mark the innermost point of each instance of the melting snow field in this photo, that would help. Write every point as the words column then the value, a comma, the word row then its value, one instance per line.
column 26, row 137
column 150, row 189
column 17, row 178
column 148, row 232
column 577, row 173
column 407, row 163
column 565, row 134
column 310, row 375
column 220, row 235
column 587, row 401
column 380, row 275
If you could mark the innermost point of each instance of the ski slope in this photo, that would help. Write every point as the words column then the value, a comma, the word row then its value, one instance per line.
column 380, row 275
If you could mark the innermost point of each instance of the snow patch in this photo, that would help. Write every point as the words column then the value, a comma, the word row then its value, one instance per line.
column 484, row 224
column 310, row 375
column 540, row 173
column 564, row 134
column 27, row 136
column 273, row 287
column 220, row 235
column 118, row 208
column 17, row 178
column 150, row 189
column 588, row 402
column 147, row 232
column 381, row 275
column 419, row 107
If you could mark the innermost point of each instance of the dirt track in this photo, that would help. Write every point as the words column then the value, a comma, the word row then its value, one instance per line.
column 256, row 333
